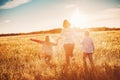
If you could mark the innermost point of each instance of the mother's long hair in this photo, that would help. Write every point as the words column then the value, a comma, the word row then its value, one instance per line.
column 66, row 23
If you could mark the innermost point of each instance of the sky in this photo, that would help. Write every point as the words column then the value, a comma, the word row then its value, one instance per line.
column 35, row 15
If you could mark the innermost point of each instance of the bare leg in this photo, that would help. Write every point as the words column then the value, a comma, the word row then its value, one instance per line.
column 67, row 59
column 68, row 52
column 66, row 48
column 47, row 59
column 91, row 60
column 84, row 60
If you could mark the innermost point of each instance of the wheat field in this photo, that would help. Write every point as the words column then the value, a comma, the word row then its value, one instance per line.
column 20, row 59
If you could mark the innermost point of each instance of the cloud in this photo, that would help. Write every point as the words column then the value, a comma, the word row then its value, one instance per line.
column 111, row 13
column 7, row 21
column 70, row 6
column 14, row 3
column 108, row 17
column 118, row 6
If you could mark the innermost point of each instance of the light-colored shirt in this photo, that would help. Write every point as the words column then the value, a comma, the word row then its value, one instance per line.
column 47, row 48
column 68, row 36
column 87, row 45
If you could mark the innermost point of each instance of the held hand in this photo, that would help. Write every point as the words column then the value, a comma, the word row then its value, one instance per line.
column 57, row 40
column 32, row 39
column 56, row 44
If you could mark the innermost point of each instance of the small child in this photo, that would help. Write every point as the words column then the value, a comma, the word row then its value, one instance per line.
column 47, row 48
column 88, row 49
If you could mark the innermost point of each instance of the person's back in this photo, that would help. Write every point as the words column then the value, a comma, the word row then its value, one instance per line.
column 87, row 49
column 47, row 48
column 87, row 45
column 68, row 35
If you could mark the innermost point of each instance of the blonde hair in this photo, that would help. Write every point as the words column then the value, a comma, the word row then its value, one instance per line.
column 86, row 33
column 66, row 23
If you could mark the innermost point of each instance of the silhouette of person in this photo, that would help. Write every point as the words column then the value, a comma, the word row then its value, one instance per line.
column 87, row 49
column 47, row 48
column 68, row 37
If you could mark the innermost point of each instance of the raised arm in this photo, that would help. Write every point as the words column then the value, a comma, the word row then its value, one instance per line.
column 38, row 41
column 60, row 36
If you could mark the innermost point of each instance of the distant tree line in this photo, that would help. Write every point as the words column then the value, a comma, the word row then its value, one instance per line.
column 102, row 29
column 58, row 30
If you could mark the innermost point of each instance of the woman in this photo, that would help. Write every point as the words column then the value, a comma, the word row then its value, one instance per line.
column 67, row 35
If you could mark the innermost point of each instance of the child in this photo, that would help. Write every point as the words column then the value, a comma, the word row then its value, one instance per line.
column 88, row 49
column 46, row 48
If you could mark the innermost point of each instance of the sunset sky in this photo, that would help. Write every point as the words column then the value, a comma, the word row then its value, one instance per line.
column 35, row 15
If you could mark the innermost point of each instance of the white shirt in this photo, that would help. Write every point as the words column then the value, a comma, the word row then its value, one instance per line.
column 68, row 36
column 87, row 45
column 47, row 48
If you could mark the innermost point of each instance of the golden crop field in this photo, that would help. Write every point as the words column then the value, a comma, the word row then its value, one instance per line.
column 20, row 59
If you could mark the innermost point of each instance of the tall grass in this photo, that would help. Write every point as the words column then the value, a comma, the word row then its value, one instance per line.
column 20, row 59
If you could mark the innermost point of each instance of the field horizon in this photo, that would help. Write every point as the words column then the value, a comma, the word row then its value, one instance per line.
column 20, row 59
column 58, row 30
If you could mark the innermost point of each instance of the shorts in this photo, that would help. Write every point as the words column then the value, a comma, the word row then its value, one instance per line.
column 68, row 49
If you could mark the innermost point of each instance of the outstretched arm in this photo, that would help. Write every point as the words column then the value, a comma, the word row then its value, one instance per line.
column 58, row 39
column 38, row 41
column 61, row 36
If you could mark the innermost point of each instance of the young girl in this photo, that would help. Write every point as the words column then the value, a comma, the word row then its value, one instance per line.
column 46, row 48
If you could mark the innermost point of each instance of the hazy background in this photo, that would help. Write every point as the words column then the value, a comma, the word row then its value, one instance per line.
column 35, row 15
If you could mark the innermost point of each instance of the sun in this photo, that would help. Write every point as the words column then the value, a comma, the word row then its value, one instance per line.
column 78, row 19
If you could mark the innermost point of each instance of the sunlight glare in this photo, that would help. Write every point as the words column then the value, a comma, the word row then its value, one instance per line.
column 78, row 19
